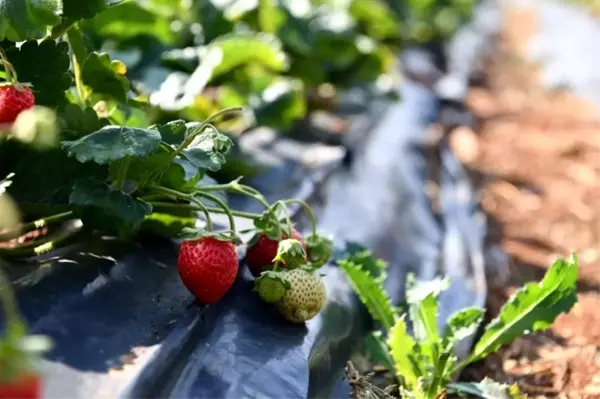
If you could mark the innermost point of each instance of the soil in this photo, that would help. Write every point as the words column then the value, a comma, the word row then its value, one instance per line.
column 536, row 157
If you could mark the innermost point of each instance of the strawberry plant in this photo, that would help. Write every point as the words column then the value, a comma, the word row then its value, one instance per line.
column 425, row 361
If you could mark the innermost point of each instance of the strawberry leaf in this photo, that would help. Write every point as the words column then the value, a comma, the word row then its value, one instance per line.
column 46, row 66
column 78, row 122
column 101, row 207
column 402, row 348
column 112, row 143
column 130, row 19
column 462, row 324
column 22, row 20
column 534, row 307
column 77, row 9
column 208, row 149
column 104, row 76
column 370, row 291
column 487, row 389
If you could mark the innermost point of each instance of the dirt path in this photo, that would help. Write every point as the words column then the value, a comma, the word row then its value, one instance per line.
column 537, row 157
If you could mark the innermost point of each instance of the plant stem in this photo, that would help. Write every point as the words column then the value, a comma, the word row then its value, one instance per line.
column 286, row 214
column 34, row 249
column 223, row 206
column 61, row 28
column 246, row 215
column 79, row 81
column 36, row 224
column 311, row 213
column 187, row 197
column 122, row 172
column 9, row 303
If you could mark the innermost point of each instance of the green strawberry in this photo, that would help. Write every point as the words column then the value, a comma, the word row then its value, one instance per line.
column 320, row 249
column 291, row 253
column 271, row 286
column 305, row 298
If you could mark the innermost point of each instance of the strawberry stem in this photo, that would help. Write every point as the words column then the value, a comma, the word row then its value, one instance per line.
column 311, row 213
column 9, row 303
column 245, row 215
column 186, row 197
column 9, row 69
column 223, row 206
column 36, row 224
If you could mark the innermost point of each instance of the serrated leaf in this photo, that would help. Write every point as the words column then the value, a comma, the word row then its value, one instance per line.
column 22, row 20
column 487, row 389
column 402, row 347
column 78, row 122
column 100, row 206
column 243, row 48
column 46, row 66
column 462, row 324
column 172, row 132
column 533, row 307
column 364, row 257
column 112, row 143
column 208, row 149
column 417, row 291
column 371, row 292
column 130, row 19
column 378, row 350
column 104, row 76
column 78, row 9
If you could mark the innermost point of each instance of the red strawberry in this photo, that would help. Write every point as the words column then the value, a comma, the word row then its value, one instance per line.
column 208, row 268
column 27, row 386
column 14, row 98
column 259, row 256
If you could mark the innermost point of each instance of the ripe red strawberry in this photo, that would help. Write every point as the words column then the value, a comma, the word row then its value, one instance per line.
column 259, row 256
column 208, row 268
column 14, row 98
column 27, row 386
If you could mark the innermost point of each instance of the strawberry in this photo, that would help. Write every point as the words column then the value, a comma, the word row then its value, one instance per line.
column 26, row 386
column 14, row 98
column 305, row 298
column 260, row 254
column 271, row 286
column 208, row 267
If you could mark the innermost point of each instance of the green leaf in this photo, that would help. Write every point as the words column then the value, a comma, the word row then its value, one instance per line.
column 364, row 257
column 402, row 347
column 101, row 207
column 282, row 104
column 45, row 179
column 208, row 149
column 487, row 389
column 78, row 9
column 417, row 291
column 238, row 49
column 168, row 224
column 376, row 18
column 378, row 350
column 370, row 291
column 172, row 132
column 112, row 143
column 104, row 76
column 78, row 122
column 46, row 66
column 463, row 324
column 130, row 19
column 533, row 307
column 22, row 20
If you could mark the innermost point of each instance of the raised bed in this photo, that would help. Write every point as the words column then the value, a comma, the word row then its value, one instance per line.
column 124, row 325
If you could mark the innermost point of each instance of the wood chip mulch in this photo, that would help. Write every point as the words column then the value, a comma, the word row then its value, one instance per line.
column 536, row 157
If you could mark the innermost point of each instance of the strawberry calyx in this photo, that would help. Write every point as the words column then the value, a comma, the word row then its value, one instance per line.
column 320, row 249
column 194, row 233
column 271, row 285
column 291, row 253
